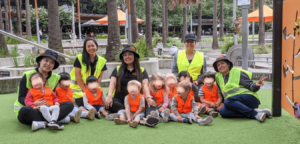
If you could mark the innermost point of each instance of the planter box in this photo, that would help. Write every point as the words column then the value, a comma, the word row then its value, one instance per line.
column 9, row 62
column 9, row 84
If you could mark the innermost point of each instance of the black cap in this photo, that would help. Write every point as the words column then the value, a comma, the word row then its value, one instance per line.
column 190, row 36
column 51, row 54
column 222, row 58
column 130, row 48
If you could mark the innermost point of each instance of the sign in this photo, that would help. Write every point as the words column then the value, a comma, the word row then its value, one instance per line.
column 244, row 2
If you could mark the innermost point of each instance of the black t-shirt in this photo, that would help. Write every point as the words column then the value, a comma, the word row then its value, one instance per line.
column 93, row 65
column 127, row 76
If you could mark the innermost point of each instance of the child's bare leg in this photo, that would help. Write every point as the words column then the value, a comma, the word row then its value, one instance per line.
column 104, row 112
column 122, row 117
column 137, row 120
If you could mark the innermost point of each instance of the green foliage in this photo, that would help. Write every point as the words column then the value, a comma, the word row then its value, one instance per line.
column 106, row 37
column 141, row 48
column 257, row 49
column 170, row 43
column 99, row 6
column 14, row 54
column 117, row 53
column 2, row 53
column 155, row 39
column 221, row 39
column 29, row 59
column 226, row 47
column 270, row 30
column 43, row 17
column 10, row 40
column 122, row 36
column 65, row 16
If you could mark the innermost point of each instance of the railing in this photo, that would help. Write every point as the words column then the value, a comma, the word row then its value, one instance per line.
column 35, row 44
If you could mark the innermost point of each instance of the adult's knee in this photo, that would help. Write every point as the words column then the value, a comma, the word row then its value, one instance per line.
column 24, row 111
column 222, row 111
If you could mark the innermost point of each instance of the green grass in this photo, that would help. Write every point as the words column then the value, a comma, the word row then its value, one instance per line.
column 279, row 130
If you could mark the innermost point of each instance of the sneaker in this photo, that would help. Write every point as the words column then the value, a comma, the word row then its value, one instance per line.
column 267, row 111
column 188, row 120
column 261, row 116
column 54, row 125
column 154, row 114
column 76, row 117
column 201, row 110
column 37, row 125
column 65, row 120
column 213, row 113
column 119, row 121
column 112, row 116
column 206, row 121
column 152, row 121
column 91, row 114
column 133, row 124
column 166, row 115
column 98, row 115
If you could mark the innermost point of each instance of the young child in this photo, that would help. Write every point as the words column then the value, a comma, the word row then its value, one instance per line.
column 64, row 93
column 159, row 47
column 171, row 82
column 185, row 108
column 93, row 99
column 37, row 92
column 159, row 91
column 185, row 76
column 210, row 95
column 134, row 105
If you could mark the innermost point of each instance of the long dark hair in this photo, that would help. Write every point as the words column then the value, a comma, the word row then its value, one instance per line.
column 85, row 55
column 121, row 71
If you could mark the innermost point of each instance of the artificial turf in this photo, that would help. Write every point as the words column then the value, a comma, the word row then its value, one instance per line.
column 276, row 130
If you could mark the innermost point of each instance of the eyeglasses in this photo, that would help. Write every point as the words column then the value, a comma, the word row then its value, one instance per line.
column 127, row 55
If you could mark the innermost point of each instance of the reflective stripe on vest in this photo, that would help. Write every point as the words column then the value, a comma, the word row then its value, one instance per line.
column 51, row 82
column 232, row 87
column 77, row 92
column 194, row 68
column 184, row 107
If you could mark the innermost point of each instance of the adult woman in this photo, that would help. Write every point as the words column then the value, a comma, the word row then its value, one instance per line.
column 85, row 65
column 46, row 63
column 190, row 60
column 239, row 91
column 129, row 70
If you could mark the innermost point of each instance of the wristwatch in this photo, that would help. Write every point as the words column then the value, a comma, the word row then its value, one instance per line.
column 148, row 96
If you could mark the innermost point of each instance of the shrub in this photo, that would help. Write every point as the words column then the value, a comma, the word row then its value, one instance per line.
column 155, row 39
column 141, row 48
column 270, row 30
column 29, row 59
column 122, row 36
column 257, row 49
column 106, row 37
column 117, row 53
column 221, row 39
column 2, row 53
column 226, row 47
column 14, row 54
column 171, row 34
column 10, row 40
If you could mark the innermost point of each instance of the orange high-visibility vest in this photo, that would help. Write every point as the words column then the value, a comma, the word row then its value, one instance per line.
column 37, row 94
column 211, row 96
column 184, row 107
column 159, row 96
column 64, row 95
column 134, row 104
column 92, row 99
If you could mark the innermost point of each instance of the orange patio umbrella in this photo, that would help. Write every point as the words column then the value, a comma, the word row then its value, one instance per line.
column 254, row 16
column 121, row 19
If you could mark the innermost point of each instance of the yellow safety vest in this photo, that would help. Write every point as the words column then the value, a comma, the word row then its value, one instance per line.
column 194, row 68
column 77, row 92
column 51, row 82
column 233, row 87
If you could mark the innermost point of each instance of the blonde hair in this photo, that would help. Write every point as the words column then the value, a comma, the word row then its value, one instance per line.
column 136, row 83
column 170, row 76
column 187, row 86
column 158, row 76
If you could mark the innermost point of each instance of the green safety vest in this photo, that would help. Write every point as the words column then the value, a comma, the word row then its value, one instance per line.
column 77, row 92
column 51, row 82
column 232, row 87
column 194, row 68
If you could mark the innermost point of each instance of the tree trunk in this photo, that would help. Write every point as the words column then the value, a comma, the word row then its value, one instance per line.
column 113, row 41
column 221, row 18
column 261, row 34
column 184, row 24
column 163, row 22
column 134, row 25
column 54, row 32
column 19, row 19
column 148, row 25
column 28, row 23
column 6, row 16
column 215, row 44
column 199, row 22
column 235, row 37
column 3, row 45
column 166, row 18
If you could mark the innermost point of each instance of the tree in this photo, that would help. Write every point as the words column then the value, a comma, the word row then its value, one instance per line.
column 28, row 22
column 148, row 29
column 163, row 22
column 215, row 44
column 261, row 33
column 184, row 24
column 43, row 17
column 221, row 18
column 64, row 16
column 19, row 18
column 113, row 41
column 54, row 32
column 166, row 18
column 3, row 46
column 199, row 22
column 6, row 16
column 134, row 25
column 73, row 19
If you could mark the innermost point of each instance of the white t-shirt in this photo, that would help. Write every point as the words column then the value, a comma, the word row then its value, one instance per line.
column 173, row 50
column 159, row 45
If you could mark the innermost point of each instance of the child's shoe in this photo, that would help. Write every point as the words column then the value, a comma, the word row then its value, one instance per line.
column 201, row 110
column 166, row 115
column 206, row 121
column 54, row 125
column 154, row 114
column 98, row 115
column 213, row 113
column 91, row 114
column 76, row 117
column 133, row 124
column 187, row 120
column 119, row 121
column 261, row 116
column 112, row 116
column 65, row 120
column 150, row 121
column 37, row 125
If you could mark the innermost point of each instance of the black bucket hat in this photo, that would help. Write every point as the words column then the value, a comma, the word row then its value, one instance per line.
column 190, row 36
column 130, row 48
column 51, row 54
column 222, row 58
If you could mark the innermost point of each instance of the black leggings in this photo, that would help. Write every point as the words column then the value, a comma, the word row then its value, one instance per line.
column 28, row 114
column 117, row 105
column 148, row 110
column 79, row 102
